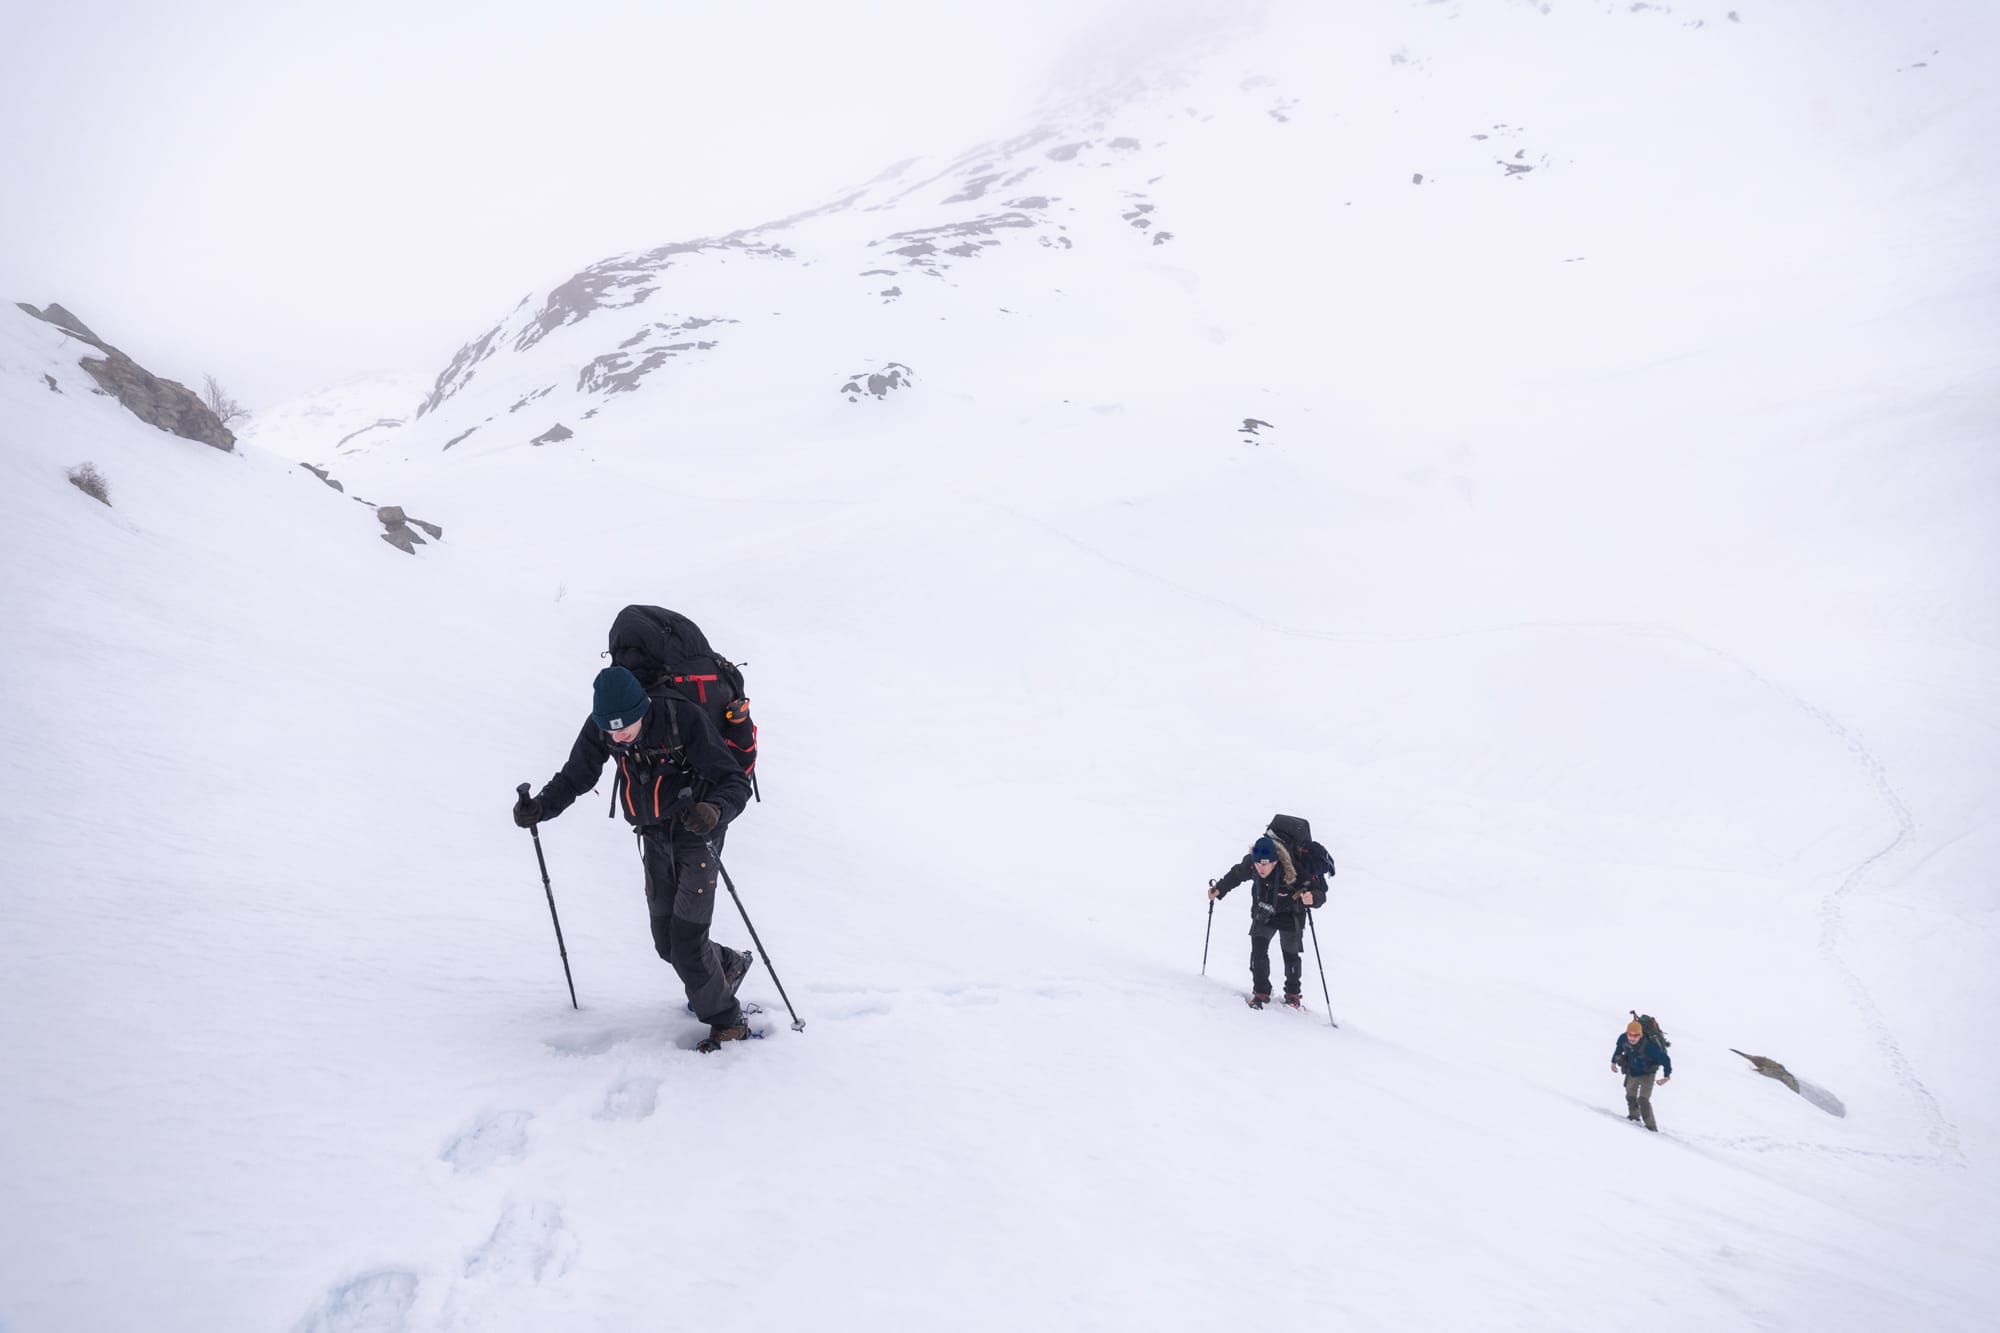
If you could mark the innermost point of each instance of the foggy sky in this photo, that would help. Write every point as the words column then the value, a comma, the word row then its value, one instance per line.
column 287, row 196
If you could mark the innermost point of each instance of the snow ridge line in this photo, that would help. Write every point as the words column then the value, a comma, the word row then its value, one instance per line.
column 1942, row 1134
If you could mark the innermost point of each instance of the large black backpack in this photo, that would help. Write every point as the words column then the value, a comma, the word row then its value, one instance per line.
column 1313, row 862
column 668, row 652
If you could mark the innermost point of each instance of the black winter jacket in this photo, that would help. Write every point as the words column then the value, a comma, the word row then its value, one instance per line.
column 1279, row 893
column 651, row 773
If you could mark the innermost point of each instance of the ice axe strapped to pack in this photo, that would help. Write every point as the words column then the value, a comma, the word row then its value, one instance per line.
column 667, row 651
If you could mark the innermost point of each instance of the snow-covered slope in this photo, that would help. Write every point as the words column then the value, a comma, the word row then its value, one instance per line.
column 321, row 427
column 1609, row 580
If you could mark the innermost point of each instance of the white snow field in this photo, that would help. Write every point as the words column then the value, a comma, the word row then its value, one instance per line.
column 1613, row 586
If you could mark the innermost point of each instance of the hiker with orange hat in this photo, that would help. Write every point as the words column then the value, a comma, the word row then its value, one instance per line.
column 1639, row 1055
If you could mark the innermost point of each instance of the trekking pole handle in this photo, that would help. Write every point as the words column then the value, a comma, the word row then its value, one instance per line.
column 522, row 790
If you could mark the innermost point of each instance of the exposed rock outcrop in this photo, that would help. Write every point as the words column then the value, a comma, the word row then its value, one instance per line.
column 324, row 476
column 894, row 375
column 1769, row 1068
column 171, row 406
column 1812, row 1092
column 399, row 531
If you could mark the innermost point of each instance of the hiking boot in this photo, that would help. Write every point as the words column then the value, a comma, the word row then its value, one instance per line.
column 1258, row 999
column 720, row 1033
column 1291, row 1002
column 735, row 967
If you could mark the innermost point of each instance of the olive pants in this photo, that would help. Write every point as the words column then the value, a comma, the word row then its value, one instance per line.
column 1639, row 1098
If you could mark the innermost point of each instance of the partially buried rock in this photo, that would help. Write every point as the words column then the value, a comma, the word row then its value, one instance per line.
column 1769, row 1068
column 166, row 404
column 893, row 375
column 398, row 532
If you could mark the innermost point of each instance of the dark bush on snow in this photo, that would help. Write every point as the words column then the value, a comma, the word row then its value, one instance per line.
column 86, row 478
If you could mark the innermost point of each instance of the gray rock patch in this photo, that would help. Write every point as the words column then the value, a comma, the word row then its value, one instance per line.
column 1812, row 1092
column 398, row 532
column 166, row 404
column 960, row 239
column 459, row 373
column 879, row 383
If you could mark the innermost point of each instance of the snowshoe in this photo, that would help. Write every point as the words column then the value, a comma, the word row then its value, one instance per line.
column 1292, row 1002
column 712, row 1043
column 1256, row 1001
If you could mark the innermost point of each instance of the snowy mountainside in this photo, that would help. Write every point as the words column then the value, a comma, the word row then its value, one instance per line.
column 322, row 426
column 1062, row 228
column 1601, row 585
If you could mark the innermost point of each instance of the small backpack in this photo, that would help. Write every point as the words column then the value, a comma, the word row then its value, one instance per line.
column 667, row 651
column 1313, row 862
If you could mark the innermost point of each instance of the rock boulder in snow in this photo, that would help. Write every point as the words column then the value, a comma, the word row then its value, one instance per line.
column 171, row 406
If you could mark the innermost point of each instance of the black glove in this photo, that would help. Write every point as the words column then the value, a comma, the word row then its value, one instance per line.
column 701, row 818
column 527, row 812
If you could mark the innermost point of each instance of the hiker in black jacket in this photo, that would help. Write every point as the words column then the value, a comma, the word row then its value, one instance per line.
column 1638, row 1057
column 678, row 786
column 1277, row 907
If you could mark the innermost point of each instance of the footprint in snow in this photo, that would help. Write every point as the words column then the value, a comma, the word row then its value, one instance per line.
column 593, row 1043
column 959, row 992
column 841, row 1002
column 529, row 1243
column 492, row 1138
column 373, row 1302
column 630, row 1099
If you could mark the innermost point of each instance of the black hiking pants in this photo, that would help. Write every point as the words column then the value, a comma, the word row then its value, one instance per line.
column 680, row 899
column 1290, row 928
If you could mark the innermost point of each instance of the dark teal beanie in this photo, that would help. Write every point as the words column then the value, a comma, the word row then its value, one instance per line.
column 618, row 699
column 1263, row 850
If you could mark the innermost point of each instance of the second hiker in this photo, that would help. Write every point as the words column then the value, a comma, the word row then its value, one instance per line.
column 1639, row 1055
column 678, row 786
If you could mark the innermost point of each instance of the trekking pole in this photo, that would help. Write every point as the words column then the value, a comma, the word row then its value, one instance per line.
column 1206, row 931
column 798, row 1024
column 549, row 889
column 1321, row 963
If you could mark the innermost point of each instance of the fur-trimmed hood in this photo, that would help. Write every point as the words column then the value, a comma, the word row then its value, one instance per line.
column 1285, row 866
